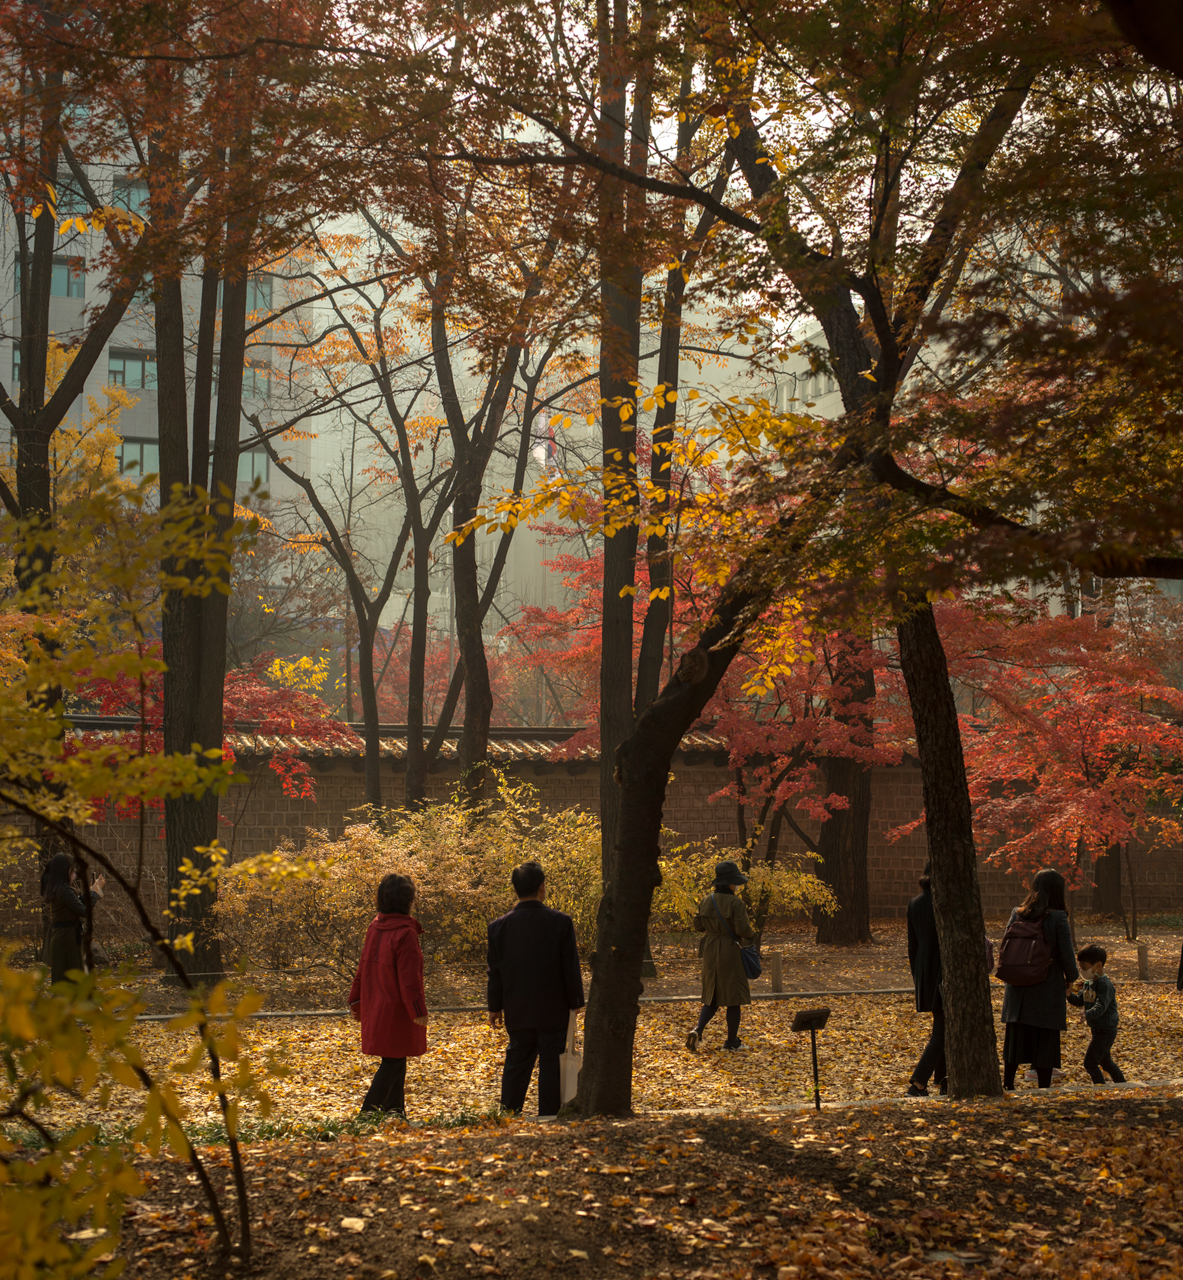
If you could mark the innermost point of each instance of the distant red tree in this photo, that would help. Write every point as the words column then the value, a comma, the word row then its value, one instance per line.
column 1074, row 730
column 252, row 704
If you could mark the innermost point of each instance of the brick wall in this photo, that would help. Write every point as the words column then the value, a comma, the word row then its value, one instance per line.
column 257, row 816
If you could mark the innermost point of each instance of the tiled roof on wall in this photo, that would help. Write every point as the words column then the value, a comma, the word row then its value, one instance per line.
column 502, row 750
column 507, row 745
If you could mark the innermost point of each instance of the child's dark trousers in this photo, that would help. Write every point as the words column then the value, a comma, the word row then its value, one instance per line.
column 1098, row 1058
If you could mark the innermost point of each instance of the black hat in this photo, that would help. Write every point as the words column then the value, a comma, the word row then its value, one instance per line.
column 728, row 873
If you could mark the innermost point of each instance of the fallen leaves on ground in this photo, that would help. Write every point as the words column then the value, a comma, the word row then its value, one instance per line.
column 867, row 1051
column 1063, row 1185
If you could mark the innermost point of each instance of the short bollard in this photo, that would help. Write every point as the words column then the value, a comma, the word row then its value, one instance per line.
column 813, row 1020
column 1143, row 962
column 776, row 973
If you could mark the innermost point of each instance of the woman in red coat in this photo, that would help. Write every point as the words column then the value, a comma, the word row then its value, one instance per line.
column 387, row 995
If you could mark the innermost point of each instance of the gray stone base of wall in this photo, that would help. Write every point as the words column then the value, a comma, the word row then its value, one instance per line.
column 257, row 817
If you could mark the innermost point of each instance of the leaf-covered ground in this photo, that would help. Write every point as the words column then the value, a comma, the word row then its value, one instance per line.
column 806, row 966
column 867, row 1051
column 1083, row 1185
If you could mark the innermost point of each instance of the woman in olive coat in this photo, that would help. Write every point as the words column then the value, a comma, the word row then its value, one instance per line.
column 723, row 918
column 63, row 950
column 1035, row 1015
column 924, row 959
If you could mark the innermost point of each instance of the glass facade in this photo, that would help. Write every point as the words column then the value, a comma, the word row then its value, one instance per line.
column 133, row 369
column 67, row 280
column 138, row 457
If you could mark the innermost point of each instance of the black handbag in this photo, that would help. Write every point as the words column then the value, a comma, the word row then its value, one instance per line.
column 749, row 956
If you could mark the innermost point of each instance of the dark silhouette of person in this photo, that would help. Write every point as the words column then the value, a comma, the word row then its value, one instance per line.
column 534, row 983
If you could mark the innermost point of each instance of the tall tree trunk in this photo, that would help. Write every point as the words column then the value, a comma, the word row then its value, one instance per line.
column 642, row 767
column 416, row 776
column 971, row 1045
column 619, row 357
column 180, row 623
column 842, row 850
column 187, row 818
column 842, row 841
column 366, row 628
column 196, row 913
column 478, row 692
column 1107, row 882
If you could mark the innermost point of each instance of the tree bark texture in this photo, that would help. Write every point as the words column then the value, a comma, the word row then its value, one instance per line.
column 478, row 691
column 842, row 841
column 842, row 851
column 199, row 823
column 415, row 782
column 1107, row 882
column 642, row 770
column 971, row 1045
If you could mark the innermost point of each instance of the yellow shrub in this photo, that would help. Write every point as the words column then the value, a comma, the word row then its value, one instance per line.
column 459, row 858
column 689, row 869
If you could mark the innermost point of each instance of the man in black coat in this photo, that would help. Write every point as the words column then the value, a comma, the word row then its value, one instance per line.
column 534, row 982
column 924, row 959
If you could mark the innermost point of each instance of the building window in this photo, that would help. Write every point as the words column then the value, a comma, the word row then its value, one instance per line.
column 16, row 369
column 139, row 458
column 67, row 279
column 812, row 386
column 258, row 293
column 256, row 381
column 135, row 369
column 71, row 201
column 131, row 194
column 253, row 465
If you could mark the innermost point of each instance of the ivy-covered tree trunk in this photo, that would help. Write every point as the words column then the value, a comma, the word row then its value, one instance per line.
column 971, row 1045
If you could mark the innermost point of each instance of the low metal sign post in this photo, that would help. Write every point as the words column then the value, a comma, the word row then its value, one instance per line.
column 813, row 1020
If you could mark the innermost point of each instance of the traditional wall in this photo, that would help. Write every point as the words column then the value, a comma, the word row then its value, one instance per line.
column 257, row 817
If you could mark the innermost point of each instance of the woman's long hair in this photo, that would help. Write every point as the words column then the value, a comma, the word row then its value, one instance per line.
column 56, row 876
column 1047, row 894
column 926, row 878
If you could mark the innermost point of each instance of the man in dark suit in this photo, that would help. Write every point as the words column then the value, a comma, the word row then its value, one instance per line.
column 924, row 959
column 534, row 982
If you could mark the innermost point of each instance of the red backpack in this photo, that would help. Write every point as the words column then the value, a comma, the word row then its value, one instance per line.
column 1025, row 954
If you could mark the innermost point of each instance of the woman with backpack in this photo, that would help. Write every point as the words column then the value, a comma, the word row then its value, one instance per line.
column 1037, row 965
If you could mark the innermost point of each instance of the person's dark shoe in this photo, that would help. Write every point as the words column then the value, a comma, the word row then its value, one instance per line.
column 944, row 1088
column 692, row 1041
column 915, row 1091
column 737, row 1043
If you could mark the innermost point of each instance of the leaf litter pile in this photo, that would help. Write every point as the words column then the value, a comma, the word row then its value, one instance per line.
column 1072, row 1184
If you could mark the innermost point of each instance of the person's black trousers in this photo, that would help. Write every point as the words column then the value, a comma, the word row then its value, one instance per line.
column 932, row 1060
column 709, row 1011
column 541, row 1044
column 386, row 1088
column 1098, row 1058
